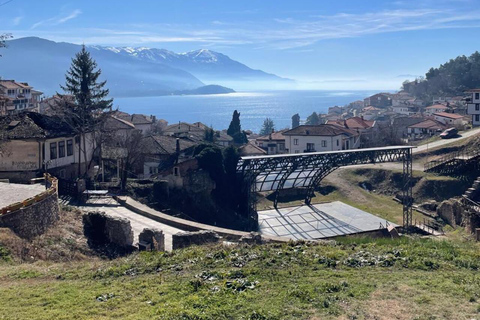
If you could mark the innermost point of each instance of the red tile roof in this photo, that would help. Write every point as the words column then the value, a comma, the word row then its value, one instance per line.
column 353, row 123
column 429, row 124
column 448, row 115
column 437, row 106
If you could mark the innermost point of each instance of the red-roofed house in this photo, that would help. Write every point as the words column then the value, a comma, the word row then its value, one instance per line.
column 436, row 108
column 451, row 119
column 428, row 127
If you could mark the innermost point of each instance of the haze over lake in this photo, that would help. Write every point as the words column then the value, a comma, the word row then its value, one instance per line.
column 216, row 110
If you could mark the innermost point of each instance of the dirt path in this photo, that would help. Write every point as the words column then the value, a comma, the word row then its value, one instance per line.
column 345, row 187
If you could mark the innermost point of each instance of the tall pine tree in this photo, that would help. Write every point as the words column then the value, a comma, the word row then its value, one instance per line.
column 89, row 98
column 267, row 127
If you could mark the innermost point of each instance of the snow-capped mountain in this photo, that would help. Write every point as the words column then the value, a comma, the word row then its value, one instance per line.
column 205, row 64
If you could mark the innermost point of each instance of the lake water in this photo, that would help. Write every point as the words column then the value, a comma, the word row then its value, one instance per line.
column 254, row 107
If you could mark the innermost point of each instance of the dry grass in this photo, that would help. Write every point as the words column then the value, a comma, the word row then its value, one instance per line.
column 63, row 242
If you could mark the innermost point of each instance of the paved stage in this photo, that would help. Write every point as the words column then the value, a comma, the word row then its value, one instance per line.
column 317, row 221
column 14, row 192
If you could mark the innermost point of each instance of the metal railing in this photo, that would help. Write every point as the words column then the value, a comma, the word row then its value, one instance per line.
column 461, row 155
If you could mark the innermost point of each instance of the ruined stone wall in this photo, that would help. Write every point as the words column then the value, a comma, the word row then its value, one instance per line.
column 34, row 219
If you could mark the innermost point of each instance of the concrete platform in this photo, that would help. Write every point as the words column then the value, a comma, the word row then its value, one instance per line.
column 317, row 221
column 13, row 192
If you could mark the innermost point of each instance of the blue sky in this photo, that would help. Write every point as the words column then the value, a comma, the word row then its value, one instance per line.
column 323, row 44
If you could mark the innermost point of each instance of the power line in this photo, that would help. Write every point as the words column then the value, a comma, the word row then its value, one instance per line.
column 2, row 4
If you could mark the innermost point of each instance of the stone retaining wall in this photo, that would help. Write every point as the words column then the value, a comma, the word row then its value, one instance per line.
column 34, row 219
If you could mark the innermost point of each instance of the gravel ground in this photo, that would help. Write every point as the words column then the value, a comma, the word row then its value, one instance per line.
column 12, row 192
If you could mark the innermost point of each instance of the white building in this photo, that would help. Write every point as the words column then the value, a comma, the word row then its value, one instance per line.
column 436, row 108
column 450, row 119
column 473, row 106
column 324, row 137
column 20, row 96
column 404, row 109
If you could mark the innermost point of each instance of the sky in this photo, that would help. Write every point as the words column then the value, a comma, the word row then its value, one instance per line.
column 325, row 44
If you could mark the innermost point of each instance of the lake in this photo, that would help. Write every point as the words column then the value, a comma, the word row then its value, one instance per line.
column 254, row 107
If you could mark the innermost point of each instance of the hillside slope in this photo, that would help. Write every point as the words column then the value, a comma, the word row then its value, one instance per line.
column 43, row 64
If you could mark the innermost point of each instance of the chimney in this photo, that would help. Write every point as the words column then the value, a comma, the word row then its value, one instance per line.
column 362, row 117
column 177, row 147
column 154, row 119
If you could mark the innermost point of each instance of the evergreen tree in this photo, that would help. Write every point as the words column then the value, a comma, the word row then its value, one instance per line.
column 295, row 120
column 313, row 119
column 234, row 126
column 267, row 127
column 209, row 135
column 89, row 98
column 235, row 129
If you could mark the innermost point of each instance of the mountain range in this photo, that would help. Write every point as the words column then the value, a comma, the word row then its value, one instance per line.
column 129, row 71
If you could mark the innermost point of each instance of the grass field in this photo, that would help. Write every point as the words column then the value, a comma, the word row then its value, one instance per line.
column 350, row 279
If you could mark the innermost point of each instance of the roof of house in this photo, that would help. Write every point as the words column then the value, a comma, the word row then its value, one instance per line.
column 429, row 124
column 472, row 91
column 12, row 84
column 371, row 108
column 167, row 145
column 32, row 125
column 184, row 127
column 278, row 135
column 437, row 106
column 135, row 119
column 448, row 115
column 353, row 123
column 250, row 149
column 329, row 130
column 116, row 123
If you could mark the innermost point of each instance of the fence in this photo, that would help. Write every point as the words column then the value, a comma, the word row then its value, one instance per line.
column 461, row 155
column 53, row 189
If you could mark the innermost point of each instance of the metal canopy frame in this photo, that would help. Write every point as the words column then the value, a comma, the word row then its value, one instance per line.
column 307, row 170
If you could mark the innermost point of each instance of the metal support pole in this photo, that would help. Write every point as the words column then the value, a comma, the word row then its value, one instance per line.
column 407, row 198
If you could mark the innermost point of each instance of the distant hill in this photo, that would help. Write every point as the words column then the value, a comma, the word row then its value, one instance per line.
column 209, row 89
column 207, row 65
column 128, row 71
column 43, row 64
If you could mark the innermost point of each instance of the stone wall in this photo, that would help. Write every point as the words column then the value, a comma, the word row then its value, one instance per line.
column 34, row 219
column 186, row 239
column 451, row 211
column 101, row 229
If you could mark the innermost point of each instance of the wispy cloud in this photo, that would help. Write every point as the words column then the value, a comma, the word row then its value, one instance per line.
column 284, row 33
column 16, row 21
column 59, row 19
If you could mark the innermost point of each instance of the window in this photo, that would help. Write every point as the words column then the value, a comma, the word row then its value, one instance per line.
column 53, row 150
column 477, row 117
column 175, row 171
column 61, row 149
column 338, row 142
column 310, row 146
column 477, row 106
column 70, row 147
column 153, row 170
column 295, row 142
column 281, row 146
column 324, row 143
column 477, row 96
column 297, row 151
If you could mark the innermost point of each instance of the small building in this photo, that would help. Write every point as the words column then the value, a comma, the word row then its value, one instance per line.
column 274, row 143
column 370, row 112
column 450, row 119
column 33, row 143
column 379, row 100
column 366, row 128
column 20, row 96
column 436, row 108
column 250, row 149
column 163, row 152
column 324, row 137
column 473, row 106
column 405, row 109
column 426, row 128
